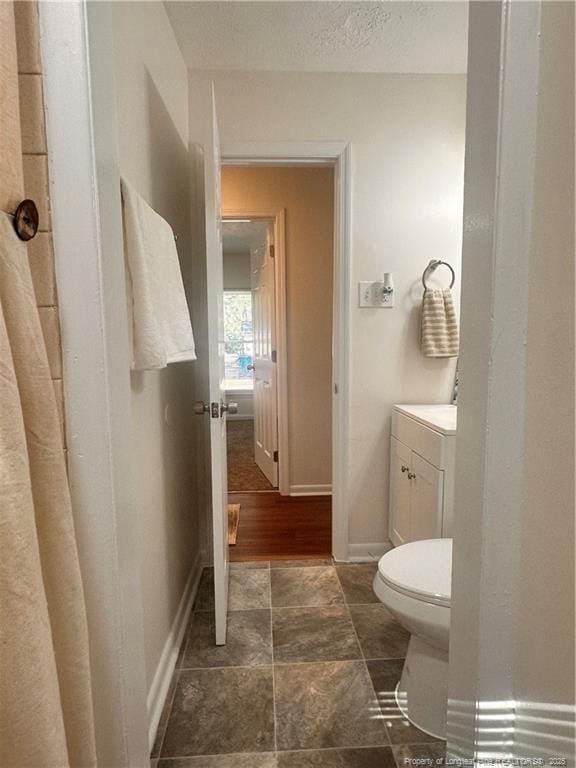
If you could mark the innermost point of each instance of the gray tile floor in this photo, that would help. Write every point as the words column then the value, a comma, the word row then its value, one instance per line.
column 306, row 679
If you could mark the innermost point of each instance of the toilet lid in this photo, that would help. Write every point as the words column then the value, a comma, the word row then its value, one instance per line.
column 421, row 569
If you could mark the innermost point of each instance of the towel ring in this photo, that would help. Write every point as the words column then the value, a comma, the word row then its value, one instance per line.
column 434, row 264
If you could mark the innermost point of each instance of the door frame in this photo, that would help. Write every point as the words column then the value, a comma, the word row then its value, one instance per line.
column 77, row 40
column 339, row 156
column 278, row 220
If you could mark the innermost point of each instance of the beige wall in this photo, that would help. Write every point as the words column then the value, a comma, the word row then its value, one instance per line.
column 545, row 652
column 307, row 195
column 153, row 132
column 407, row 137
column 237, row 271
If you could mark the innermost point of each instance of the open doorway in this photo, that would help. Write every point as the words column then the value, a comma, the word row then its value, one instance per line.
column 249, row 334
column 278, row 253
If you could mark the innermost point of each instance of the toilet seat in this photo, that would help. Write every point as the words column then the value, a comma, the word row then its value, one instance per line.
column 421, row 570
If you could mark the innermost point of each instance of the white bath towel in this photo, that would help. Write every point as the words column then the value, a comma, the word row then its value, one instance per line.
column 160, row 320
column 439, row 332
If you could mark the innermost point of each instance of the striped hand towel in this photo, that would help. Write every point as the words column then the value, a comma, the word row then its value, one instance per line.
column 439, row 333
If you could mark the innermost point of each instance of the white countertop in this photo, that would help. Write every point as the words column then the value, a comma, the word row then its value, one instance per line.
column 442, row 418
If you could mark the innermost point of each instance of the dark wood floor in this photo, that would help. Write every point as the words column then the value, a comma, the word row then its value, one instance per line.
column 275, row 527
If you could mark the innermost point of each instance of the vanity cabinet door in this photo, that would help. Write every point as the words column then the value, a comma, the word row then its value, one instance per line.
column 400, row 456
column 426, row 499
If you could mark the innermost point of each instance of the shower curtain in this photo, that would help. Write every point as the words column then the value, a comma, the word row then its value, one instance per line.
column 46, row 718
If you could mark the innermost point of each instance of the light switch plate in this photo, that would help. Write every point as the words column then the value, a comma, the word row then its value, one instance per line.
column 371, row 294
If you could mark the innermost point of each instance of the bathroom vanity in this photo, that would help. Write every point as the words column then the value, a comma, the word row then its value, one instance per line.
column 422, row 457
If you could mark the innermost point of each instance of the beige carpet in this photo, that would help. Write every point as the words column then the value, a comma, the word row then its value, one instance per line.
column 233, row 521
column 243, row 472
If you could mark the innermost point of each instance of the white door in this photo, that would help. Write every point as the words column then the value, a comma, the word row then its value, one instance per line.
column 426, row 499
column 265, row 395
column 400, row 461
column 209, row 329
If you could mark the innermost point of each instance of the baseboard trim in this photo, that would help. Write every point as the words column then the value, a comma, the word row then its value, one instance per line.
column 544, row 730
column 510, row 731
column 165, row 669
column 310, row 490
column 369, row 552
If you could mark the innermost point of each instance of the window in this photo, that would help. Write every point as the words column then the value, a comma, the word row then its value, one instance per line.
column 239, row 340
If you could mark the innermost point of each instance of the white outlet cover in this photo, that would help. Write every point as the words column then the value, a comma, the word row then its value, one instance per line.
column 371, row 295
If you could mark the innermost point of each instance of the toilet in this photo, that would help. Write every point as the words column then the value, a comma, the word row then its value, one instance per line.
column 414, row 582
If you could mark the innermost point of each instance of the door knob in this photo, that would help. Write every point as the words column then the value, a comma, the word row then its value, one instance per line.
column 200, row 408
column 230, row 408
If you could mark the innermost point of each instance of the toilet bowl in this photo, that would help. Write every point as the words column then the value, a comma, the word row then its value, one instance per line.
column 414, row 582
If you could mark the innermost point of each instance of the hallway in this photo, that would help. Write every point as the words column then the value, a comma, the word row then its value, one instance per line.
column 274, row 527
column 243, row 472
column 306, row 679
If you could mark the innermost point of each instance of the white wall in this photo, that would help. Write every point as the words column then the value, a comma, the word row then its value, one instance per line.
column 545, row 660
column 152, row 92
column 511, row 687
column 407, row 135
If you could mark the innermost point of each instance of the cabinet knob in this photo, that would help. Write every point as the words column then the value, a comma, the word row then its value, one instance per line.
column 405, row 468
column 411, row 475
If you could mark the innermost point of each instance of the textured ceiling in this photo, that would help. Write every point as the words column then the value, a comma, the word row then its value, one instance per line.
column 239, row 237
column 385, row 36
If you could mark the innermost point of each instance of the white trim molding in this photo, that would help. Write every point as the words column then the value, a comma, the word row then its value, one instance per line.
column 81, row 124
column 282, row 152
column 341, row 342
column 509, row 731
column 544, row 730
column 310, row 490
column 369, row 552
column 339, row 155
column 495, row 728
column 163, row 676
